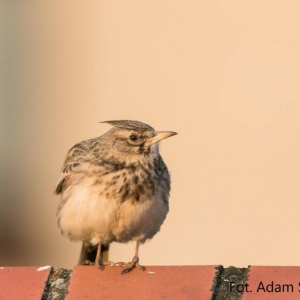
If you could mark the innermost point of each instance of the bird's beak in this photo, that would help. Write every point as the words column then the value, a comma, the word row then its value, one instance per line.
column 159, row 135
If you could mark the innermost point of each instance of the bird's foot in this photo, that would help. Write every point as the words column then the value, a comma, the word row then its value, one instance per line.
column 109, row 263
column 134, row 263
column 98, row 263
column 87, row 263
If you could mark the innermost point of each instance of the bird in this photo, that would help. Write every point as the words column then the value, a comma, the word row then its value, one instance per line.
column 115, row 188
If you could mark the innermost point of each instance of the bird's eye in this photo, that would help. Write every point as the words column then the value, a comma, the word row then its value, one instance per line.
column 133, row 137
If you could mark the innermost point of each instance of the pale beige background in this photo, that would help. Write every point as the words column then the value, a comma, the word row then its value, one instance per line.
column 223, row 74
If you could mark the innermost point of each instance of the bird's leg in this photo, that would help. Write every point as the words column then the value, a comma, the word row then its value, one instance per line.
column 88, row 251
column 98, row 261
column 135, row 261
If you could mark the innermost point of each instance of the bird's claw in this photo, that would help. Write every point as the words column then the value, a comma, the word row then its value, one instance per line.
column 109, row 263
column 142, row 268
column 130, row 266
column 133, row 264
column 120, row 264
column 87, row 263
column 100, row 265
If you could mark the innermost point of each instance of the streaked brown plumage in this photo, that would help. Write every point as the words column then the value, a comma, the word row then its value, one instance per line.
column 115, row 188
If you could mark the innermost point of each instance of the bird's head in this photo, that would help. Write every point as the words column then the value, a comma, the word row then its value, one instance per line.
column 134, row 138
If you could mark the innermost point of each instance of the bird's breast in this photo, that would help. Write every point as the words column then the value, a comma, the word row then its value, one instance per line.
column 144, row 205
column 103, row 205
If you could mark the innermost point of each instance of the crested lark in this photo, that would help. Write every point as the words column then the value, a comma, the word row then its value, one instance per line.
column 115, row 188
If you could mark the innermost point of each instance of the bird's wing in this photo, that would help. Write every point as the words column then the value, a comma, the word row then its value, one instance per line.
column 78, row 154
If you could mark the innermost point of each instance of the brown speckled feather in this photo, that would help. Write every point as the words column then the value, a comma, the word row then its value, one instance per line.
column 114, row 187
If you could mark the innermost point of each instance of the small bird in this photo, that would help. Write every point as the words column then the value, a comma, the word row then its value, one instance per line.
column 115, row 188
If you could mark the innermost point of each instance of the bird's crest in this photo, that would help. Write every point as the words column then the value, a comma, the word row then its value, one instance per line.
column 129, row 125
